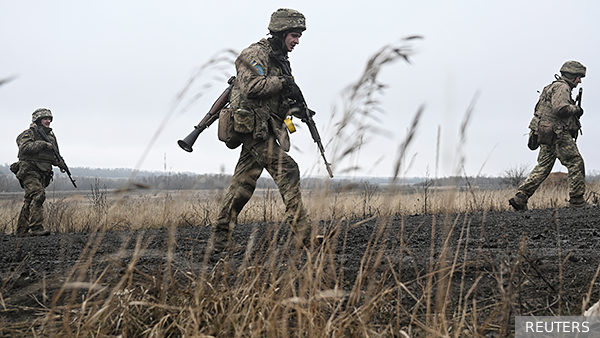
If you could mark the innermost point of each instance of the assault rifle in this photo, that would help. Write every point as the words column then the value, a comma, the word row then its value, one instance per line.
column 578, row 101
column 212, row 115
column 57, row 154
column 305, row 113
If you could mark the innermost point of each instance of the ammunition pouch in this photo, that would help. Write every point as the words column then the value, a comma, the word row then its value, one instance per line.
column 532, row 142
column 247, row 120
column 23, row 168
column 226, row 132
column 243, row 120
column 545, row 133
column 14, row 168
column 261, row 127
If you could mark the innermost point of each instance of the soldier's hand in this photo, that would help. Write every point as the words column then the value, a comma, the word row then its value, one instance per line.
column 62, row 166
column 579, row 111
column 42, row 145
column 291, row 88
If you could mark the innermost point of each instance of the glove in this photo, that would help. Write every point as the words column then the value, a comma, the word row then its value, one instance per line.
column 578, row 111
column 291, row 89
column 41, row 145
column 62, row 166
column 298, row 112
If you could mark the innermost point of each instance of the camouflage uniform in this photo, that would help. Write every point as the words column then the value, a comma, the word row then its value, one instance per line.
column 260, row 105
column 34, row 172
column 556, row 109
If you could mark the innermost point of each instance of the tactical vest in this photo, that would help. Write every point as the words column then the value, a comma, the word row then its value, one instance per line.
column 45, row 155
column 547, row 107
column 267, row 112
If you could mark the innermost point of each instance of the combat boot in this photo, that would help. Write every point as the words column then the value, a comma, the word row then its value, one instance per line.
column 40, row 232
column 578, row 202
column 519, row 202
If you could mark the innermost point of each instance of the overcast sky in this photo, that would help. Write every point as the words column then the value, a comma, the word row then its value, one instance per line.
column 110, row 72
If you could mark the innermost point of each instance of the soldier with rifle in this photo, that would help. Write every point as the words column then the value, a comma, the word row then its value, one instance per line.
column 263, row 96
column 38, row 152
column 554, row 129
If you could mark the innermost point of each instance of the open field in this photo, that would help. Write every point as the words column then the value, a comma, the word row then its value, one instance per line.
column 424, row 263
column 104, row 210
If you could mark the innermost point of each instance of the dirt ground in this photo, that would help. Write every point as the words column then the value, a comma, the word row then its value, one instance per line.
column 511, row 256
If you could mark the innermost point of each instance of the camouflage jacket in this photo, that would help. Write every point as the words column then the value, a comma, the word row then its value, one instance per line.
column 33, row 148
column 556, row 107
column 259, row 87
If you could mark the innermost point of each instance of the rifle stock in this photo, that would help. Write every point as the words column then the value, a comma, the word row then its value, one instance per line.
column 57, row 154
column 210, row 117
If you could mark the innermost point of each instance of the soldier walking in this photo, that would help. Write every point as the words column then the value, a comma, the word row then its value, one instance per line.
column 260, row 100
column 555, row 127
column 34, row 172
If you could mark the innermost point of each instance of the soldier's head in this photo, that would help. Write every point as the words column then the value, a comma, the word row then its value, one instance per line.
column 573, row 71
column 42, row 117
column 287, row 25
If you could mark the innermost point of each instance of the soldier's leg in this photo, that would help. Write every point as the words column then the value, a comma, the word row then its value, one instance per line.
column 23, row 222
column 568, row 154
column 36, row 220
column 239, row 192
column 546, row 159
column 286, row 174
column 31, row 216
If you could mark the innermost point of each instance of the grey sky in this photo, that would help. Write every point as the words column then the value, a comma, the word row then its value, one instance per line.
column 109, row 71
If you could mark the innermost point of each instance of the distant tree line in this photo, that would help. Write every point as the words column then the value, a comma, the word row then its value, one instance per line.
column 109, row 179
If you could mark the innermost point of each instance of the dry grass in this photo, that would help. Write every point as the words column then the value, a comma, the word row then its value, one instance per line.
column 106, row 211
column 282, row 292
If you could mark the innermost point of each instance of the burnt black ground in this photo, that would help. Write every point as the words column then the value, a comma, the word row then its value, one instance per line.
column 32, row 269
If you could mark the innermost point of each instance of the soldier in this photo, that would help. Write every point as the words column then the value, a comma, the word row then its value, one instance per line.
column 34, row 171
column 556, row 125
column 260, row 100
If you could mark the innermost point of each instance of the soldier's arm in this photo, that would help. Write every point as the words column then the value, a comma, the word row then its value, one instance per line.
column 255, row 86
column 563, row 104
column 30, row 146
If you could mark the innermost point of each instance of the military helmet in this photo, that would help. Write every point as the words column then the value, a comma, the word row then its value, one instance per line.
column 573, row 67
column 285, row 19
column 39, row 113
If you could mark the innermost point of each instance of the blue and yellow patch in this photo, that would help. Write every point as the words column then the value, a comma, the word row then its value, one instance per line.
column 258, row 68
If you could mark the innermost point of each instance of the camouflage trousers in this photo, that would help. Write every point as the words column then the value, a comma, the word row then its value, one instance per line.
column 565, row 149
column 256, row 156
column 32, row 212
